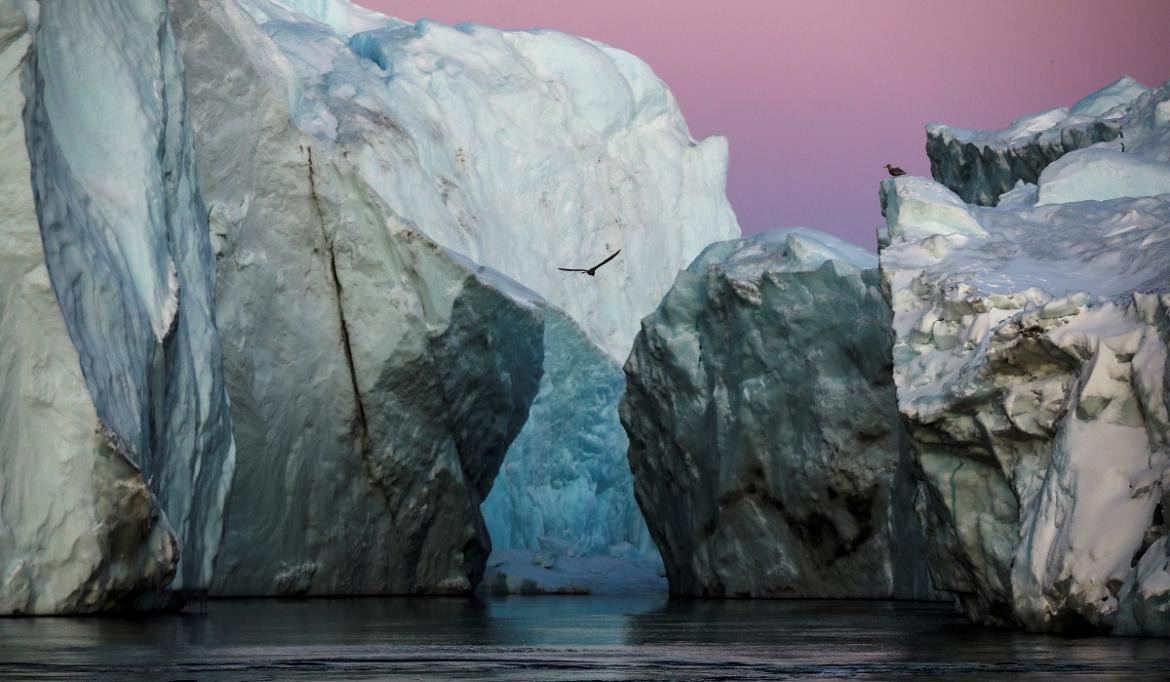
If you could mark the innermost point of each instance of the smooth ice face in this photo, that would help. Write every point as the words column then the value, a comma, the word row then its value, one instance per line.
column 982, row 165
column 523, row 150
column 566, row 477
column 1097, row 174
column 342, row 17
column 926, row 209
column 1031, row 367
column 763, row 431
column 376, row 378
column 119, row 450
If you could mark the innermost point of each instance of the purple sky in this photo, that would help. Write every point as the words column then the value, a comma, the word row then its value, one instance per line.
column 816, row 96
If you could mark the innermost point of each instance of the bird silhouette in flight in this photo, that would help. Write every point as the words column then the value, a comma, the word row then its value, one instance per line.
column 894, row 170
column 593, row 270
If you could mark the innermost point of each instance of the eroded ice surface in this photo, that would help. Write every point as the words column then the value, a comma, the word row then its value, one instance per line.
column 118, row 449
column 1030, row 360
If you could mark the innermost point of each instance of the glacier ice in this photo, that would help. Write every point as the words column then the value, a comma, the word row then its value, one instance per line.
column 380, row 209
column 566, row 475
column 522, row 150
column 982, row 165
column 763, row 428
column 376, row 378
column 117, row 448
column 1030, row 359
column 1096, row 174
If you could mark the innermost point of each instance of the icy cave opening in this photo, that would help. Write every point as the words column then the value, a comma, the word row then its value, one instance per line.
column 561, row 514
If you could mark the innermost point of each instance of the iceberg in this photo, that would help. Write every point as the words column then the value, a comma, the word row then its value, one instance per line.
column 764, row 436
column 981, row 165
column 376, row 378
column 114, row 426
column 523, row 151
column 1030, row 359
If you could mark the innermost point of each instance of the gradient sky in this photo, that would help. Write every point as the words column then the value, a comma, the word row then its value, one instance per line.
column 816, row 96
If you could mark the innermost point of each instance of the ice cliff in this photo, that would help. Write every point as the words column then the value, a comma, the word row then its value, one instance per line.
column 380, row 208
column 1030, row 359
column 376, row 378
column 116, row 448
column 764, row 434
column 979, row 166
column 524, row 151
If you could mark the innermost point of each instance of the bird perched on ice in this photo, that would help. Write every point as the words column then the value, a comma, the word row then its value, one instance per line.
column 593, row 270
column 894, row 170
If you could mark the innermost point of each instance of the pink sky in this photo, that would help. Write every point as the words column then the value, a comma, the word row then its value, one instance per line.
column 816, row 96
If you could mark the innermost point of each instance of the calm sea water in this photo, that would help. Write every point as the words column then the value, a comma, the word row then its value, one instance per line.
column 556, row 638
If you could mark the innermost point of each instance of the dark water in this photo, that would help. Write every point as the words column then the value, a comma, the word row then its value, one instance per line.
column 556, row 638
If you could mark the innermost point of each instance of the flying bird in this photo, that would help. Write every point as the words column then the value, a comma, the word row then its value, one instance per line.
column 593, row 270
column 894, row 170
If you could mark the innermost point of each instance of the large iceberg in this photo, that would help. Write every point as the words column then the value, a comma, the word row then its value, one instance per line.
column 981, row 165
column 379, row 212
column 524, row 151
column 116, row 448
column 764, row 434
column 1030, row 359
column 376, row 378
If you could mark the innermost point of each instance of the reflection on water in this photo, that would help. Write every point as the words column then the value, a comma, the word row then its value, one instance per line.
column 554, row 638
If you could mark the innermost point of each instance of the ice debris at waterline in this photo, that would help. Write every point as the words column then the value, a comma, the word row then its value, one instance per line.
column 116, row 448
column 1030, row 359
column 560, row 569
column 522, row 150
column 981, row 165
column 764, row 434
